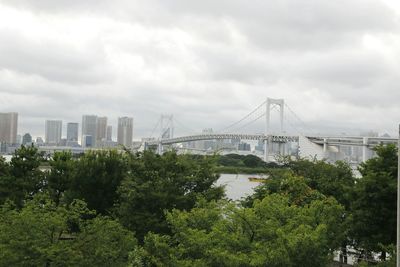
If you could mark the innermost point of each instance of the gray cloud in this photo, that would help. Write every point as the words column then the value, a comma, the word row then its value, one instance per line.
column 51, row 59
column 336, row 63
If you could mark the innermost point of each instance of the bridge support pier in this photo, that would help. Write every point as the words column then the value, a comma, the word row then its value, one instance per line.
column 365, row 149
column 266, row 148
column 160, row 148
column 282, row 149
column 325, row 149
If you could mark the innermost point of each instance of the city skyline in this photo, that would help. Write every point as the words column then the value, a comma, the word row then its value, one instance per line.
column 114, row 129
column 334, row 62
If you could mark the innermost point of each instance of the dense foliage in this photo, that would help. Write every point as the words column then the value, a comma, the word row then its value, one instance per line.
column 113, row 208
column 374, row 202
column 44, row 234
column 235, row 160
column 157, row 184
column 274, row 232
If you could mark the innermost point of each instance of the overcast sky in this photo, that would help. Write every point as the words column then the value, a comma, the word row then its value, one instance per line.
column 336, row 63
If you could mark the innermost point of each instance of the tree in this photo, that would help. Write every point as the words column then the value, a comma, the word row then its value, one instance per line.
column 335, row 180
column 22, row 177
column 5, row 180
column 253, row 161
column 374, row 202
column 40, row 235
column 319, row 177
column 61, row 175
column 157, row 183
column 300, row 194
column 271, row 233
column 96, row 177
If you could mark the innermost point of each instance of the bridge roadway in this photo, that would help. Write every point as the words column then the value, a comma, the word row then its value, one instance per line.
column 201, row 137
column 352, row 140
column 320, row 140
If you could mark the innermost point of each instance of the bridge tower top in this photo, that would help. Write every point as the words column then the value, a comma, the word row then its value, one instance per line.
column 167, row 127
column 271, row 103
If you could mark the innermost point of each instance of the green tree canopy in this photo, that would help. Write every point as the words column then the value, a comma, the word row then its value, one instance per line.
column 40, row 235
column 61, row 175
column 157, row 183
column 335, row 179
column 21, row 178
column 95, row 178
column 271, row 233
column 374, row 201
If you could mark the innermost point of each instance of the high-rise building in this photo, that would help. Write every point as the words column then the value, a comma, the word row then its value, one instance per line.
column 27, row 139
column 39, row 141
column 53, row 131
column 87, row 141
column 72, row 131
column 89, row 128
column 101, row 131
column 125, row 131
column 8, row 127
column 109, row 133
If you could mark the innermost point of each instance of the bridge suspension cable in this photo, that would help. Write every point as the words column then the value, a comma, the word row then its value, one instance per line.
column 183, row 126
column 155, row 127
column 257, row 117
column 249, row 123
column 302, row 123
column 242, row 119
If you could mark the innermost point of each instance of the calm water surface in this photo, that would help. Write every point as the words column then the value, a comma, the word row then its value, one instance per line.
column 238, row 186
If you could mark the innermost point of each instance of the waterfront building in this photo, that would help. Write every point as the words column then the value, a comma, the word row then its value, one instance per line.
column 72, row 131
column 87, row 141
column 109, row 133
column 89, row 128
column 125, row 131
column 39, row 141
column 63, row 142
column 8, row 127
column 27, row 139
column 101, row 129
column 53, row 131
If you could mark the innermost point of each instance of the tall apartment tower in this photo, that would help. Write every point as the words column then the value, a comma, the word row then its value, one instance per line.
column 27, row 139
column 125, row 131
column 101, row 131
column 72, row 131
column 53, row 131
column 89, row 128
column 109, row 133
column 8, row 127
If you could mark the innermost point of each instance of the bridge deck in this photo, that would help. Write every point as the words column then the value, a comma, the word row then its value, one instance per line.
column 201, row 137
column 320, row 140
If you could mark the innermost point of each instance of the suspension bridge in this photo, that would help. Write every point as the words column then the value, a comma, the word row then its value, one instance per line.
column 307, row 145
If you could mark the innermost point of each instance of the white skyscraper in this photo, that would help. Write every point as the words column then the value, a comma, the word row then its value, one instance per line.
column 89, row 128
column 72, row 131
column 101, row 130
column 8, row 127
column 109, row 133
column 125, row 131
column 53, row 131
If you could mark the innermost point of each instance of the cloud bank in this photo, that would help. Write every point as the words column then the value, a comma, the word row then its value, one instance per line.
column 336, row 63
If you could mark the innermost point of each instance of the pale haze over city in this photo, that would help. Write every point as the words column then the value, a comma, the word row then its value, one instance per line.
column 336, row 63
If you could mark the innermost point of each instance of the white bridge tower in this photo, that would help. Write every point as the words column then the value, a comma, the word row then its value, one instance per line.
column 269, row 104
column 167, row 130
